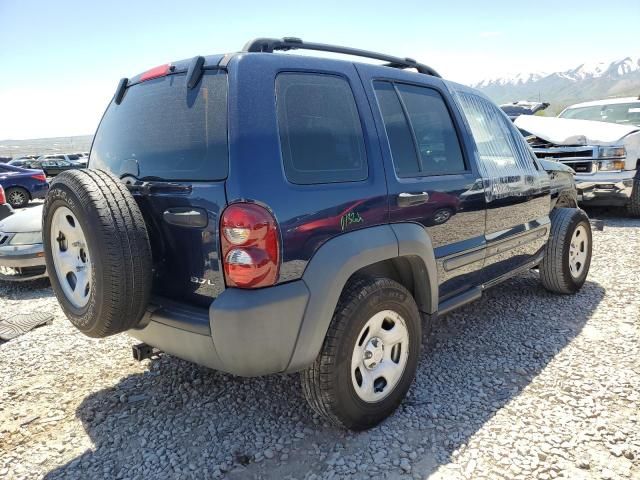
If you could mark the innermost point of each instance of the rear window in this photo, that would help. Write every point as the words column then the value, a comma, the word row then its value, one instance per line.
column 320, row 131
column 162, row 131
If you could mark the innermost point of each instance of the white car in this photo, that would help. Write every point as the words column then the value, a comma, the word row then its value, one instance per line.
column 623, row 111
column 603, row 151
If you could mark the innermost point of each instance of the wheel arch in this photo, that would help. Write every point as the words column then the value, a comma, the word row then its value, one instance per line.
column 566, row 199
column 402, row 251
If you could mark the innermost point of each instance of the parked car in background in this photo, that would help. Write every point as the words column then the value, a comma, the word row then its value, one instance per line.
column 5, row 208
column 313, row 226
column 623, row 111
column 605, row 156
column 523, row 107
column 21, row 252
column 22, row 185
column 22, row 161
column 53, row 164
column 78, row 159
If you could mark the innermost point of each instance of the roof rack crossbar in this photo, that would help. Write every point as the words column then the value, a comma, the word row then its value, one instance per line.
column 269, row 45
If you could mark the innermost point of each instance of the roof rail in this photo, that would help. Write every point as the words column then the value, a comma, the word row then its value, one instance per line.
column 269, row 45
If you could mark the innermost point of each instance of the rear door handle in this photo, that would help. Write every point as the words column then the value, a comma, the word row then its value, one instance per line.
column 186, row 217
column 408, row 199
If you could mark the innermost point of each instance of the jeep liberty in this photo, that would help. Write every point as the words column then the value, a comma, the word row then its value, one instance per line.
column 262, row 212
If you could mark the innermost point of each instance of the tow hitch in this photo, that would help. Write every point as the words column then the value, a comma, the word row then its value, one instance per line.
column 142, row 351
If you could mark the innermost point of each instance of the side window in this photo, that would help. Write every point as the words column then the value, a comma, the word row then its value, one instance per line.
column 499, row 147
column 403, row 151
column 421, row 134
column 320, row 131
column 436, row 137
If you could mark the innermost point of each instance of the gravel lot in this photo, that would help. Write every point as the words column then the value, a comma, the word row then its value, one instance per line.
column 522, row 384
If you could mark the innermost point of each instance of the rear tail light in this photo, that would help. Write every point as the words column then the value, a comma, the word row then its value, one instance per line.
column 39, row 176
column 3, row 199
column 250, row 246
column 159, row 71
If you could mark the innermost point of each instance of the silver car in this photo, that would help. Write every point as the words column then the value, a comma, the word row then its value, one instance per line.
column 21, row 253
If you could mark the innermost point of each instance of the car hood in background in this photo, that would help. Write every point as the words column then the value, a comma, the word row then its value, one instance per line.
column 565, row 131
column 28, row 220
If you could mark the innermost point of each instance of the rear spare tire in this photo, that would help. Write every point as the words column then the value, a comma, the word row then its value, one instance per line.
column 97, row 252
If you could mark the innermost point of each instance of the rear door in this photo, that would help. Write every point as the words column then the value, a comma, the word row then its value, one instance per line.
column 169, row 143
column 431, row 176
column 517, row 189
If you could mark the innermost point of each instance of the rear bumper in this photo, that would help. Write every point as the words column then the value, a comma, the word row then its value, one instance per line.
column 244, row 332
column 605, row 188
column 39, row 191
column 20, row 263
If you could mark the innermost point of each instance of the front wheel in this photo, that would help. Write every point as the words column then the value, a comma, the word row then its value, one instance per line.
column 634, row 203
column 567, row 257
column 369, row 356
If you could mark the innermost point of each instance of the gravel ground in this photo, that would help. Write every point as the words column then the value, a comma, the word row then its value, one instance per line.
column 521, row 384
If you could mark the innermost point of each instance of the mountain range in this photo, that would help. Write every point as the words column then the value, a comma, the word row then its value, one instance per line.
column 619, row 78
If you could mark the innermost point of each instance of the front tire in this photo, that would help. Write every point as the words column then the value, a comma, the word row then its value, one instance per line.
column 369, row 356
column 567, row 257
column 633, row 207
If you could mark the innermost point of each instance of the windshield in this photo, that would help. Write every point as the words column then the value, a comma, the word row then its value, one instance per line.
column 163, row 131
column 622, row 113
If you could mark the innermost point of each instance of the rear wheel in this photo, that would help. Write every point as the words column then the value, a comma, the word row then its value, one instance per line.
column 97, row 252
column 369, row 356
column 567, row 258
column 17, row 197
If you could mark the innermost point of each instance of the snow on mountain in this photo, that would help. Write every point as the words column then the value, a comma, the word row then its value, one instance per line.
column 587, row 81
column 584, row 71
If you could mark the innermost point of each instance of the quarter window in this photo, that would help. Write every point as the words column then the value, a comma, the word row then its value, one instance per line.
column 320, row 131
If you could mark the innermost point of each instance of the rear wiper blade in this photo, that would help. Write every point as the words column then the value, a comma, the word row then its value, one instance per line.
column 147, row 188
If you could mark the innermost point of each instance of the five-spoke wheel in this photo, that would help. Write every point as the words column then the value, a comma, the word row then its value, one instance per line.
column 379, row 356
column 71, row 257
column 369, row 356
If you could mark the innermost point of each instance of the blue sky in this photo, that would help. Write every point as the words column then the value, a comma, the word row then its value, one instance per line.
column 61, row 60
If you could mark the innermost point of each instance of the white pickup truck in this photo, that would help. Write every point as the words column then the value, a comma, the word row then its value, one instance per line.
column 603, row 149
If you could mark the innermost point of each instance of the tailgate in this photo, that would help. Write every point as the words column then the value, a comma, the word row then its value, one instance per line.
column 169, row 143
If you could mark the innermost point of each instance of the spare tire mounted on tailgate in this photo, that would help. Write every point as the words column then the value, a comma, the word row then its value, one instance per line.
column 97, row 252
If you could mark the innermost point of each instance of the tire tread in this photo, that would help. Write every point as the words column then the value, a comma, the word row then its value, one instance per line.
column 125, row 250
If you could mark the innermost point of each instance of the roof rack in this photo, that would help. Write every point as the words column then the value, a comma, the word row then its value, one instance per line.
column 269, row 45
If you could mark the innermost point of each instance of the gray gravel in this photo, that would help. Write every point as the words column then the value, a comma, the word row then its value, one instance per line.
column 521, row 384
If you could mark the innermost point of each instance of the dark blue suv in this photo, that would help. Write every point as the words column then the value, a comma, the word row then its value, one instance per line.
column 22, row 184
column 259, row 212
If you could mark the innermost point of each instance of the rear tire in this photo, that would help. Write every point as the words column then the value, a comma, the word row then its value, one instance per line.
column 633, row 207
column 95, row 239
column 567, row 257
column 373, row 341
column 17, row 197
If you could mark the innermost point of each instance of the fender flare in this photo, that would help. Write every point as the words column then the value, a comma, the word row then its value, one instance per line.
column 338, row 259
